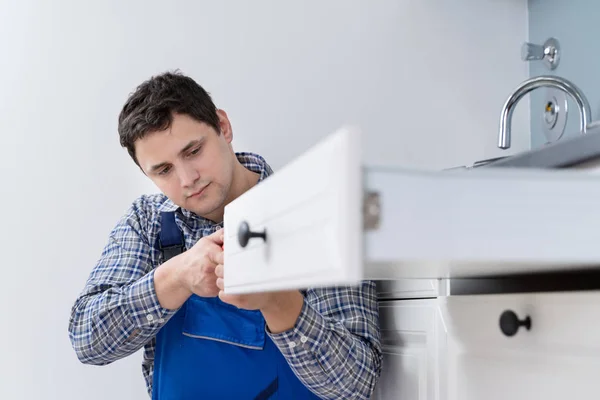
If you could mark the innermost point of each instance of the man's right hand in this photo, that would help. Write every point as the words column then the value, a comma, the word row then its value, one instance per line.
column 192, row 272
column 197, row 269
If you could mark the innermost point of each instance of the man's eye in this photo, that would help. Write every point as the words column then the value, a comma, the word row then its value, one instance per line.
column 164, row 171
column 195, row 151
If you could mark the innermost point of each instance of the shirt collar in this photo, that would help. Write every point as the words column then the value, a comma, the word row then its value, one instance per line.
column 251, row 161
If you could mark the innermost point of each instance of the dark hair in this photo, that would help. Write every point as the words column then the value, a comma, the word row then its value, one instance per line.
column 151, row 107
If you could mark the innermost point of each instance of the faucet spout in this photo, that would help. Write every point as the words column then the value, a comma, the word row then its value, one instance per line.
column 536, row 82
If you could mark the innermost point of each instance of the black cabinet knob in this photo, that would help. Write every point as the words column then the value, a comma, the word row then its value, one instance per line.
column 510, row 323
column 245, row 234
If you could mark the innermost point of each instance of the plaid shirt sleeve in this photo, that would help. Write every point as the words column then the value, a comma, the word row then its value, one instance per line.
column 118, row 312
column 335, row 346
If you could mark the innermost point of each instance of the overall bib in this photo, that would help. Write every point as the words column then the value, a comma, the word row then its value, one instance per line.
column 213, row 350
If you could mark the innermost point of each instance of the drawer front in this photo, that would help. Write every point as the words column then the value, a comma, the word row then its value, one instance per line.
column 311, row 213
column 557, row 358
column 566, row 322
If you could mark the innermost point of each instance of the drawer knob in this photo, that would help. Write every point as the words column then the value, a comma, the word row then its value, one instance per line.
column 245, row 234
column 510, row 323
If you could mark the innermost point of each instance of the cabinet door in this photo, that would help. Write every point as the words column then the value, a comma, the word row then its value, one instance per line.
column 318, row 231
column 556, row 357
column 413, row 339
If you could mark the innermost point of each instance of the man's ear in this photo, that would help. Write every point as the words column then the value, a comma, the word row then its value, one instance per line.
column 225, row 125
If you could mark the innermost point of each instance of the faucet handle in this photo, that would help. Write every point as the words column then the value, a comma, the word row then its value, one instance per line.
column 549, row 52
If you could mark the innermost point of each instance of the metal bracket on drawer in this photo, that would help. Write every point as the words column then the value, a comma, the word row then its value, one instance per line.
column 371, row 211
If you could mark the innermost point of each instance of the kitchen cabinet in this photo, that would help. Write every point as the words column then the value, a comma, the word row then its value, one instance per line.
column 327, row 219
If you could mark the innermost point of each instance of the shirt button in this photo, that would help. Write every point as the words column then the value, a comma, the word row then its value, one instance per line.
column 303, row 339
column 292, row 345
column 150, row 317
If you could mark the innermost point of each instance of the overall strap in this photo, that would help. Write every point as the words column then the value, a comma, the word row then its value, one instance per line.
column 170, row 238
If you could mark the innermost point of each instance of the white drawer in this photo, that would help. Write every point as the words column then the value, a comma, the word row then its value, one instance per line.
column 558, row 358
column 311, row 213
column 430, row 224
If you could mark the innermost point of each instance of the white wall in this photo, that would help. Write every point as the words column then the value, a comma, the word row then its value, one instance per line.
column 573, row 24
column 424, row 79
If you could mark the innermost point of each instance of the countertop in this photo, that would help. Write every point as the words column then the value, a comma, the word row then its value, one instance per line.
column 571, row 152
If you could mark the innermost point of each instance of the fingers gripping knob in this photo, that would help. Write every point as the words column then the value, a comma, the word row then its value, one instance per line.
column 245, row 234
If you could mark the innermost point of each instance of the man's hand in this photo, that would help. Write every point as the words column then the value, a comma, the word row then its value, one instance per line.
column 280, row 309
column 190, row 272
column 197, row 270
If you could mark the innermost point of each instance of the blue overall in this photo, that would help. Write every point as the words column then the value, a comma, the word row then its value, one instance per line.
column 212, row 350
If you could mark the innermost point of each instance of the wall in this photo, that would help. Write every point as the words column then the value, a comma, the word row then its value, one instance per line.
column 425, row 80
column 574, row 24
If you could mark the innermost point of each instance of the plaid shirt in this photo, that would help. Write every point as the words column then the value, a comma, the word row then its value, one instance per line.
column 334, row 348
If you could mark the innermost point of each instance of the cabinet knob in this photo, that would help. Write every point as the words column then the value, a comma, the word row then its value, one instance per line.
column 510, row 323
column 245, row 234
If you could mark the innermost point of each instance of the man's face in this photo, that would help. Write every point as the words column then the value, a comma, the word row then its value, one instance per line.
column 190, row 163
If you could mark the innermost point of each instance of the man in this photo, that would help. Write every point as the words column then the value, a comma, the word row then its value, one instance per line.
column 199, row 342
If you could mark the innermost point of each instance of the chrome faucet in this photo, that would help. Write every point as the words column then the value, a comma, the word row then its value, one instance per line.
column 531, row 84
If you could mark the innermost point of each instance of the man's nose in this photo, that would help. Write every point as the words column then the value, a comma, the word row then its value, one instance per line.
column 188, row 176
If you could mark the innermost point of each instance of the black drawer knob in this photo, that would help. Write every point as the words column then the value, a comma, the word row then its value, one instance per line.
column 510, row 323
column 245, row 234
